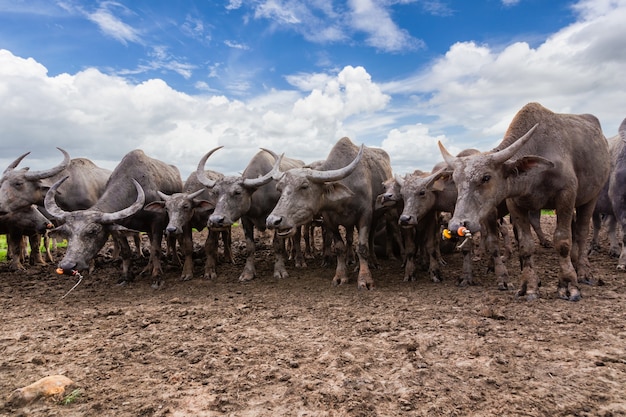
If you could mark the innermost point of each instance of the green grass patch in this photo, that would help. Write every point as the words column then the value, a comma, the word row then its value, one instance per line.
column 42, row 248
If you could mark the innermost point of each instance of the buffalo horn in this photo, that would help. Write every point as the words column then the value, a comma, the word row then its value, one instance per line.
column 399, row 180
column 164, row 196
column 15, row 163
column 38, row 175
column 260, row 181
column 447, row 156
column 336, row 174
column 128, row 211
column 506, row 153
column 204, row 180
column 50, row 203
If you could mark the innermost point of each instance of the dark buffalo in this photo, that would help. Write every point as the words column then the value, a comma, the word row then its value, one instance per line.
column 546, row 160
column 251, row 197
column 28, row 221
column 136, row 180
column 190, row 210
column 611, row 206
column 344, row 190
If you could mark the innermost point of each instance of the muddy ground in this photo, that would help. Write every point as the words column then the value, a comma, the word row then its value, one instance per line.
column 301, row 347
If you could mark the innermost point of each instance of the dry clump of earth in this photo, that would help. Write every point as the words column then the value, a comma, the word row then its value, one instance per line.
column 302, row 347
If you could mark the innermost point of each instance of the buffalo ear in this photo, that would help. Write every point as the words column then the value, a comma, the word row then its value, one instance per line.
column 156, row 207
column 203, row 205
column 61, row 231
column 526, row 164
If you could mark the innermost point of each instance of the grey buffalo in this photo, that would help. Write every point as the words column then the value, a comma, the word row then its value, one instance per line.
column 612, row 202
column 545, row 160
column 135, row 181
column 344, row 190
column 251, row 197
column 20, row 188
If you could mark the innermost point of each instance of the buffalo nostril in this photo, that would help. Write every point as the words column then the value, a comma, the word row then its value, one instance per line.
column 405, row 219
column 273, row 221
column 217, row 219
column 170, row 229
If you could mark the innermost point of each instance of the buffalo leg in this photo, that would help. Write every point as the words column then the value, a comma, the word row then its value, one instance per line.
column 249, row 270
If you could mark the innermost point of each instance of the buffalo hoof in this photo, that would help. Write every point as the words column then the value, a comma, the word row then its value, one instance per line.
column 532, row 296
column 365, row 286
column 502, row 286
column 210, row 275
column 621, row 267
column 186, row 277
column 435, row 278
column 157, row 284
column 281, row 274
column 245, row 277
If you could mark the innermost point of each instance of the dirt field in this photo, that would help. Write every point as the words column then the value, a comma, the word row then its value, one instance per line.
column 301, row 347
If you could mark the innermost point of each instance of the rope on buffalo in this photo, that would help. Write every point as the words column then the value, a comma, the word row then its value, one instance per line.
column 80, row 278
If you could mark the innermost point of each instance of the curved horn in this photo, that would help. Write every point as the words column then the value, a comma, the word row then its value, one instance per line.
column 260, row 181
column 128, row 211
column 399, row 180
column 512, row 149
column 50, row 203
column 204, row 180
column 447, row 156
column 38, row 175
column 271, row 153
column 337, row 174
column 15, row 163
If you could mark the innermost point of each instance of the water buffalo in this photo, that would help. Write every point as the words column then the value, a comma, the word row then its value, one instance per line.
column 251, row 197
column 136, row 180
column 611, row 204
column 546, row 160
column 28, row 221
column 344, row 190
column 19, row 188
column 190, row 210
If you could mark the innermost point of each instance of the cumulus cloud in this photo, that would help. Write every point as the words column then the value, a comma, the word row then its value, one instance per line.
column 411, row 147
column 465, row 98
column 478, row 88
column 102, row 117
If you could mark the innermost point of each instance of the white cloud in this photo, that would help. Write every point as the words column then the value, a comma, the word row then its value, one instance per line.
column 466, row 98
column 102, row 117
column 579, row 69
column 382, row 33
column 410, row 146
column 113, row 26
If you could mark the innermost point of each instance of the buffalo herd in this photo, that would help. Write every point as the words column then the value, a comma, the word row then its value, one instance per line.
column 546, row 161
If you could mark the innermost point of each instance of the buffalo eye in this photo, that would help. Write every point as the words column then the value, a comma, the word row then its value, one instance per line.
column 422, row 192
column 485, row 178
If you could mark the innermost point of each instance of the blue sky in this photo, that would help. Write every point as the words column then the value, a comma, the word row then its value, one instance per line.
column 177, row 78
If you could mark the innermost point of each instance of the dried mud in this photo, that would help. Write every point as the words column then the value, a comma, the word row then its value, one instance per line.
column 302, row 347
